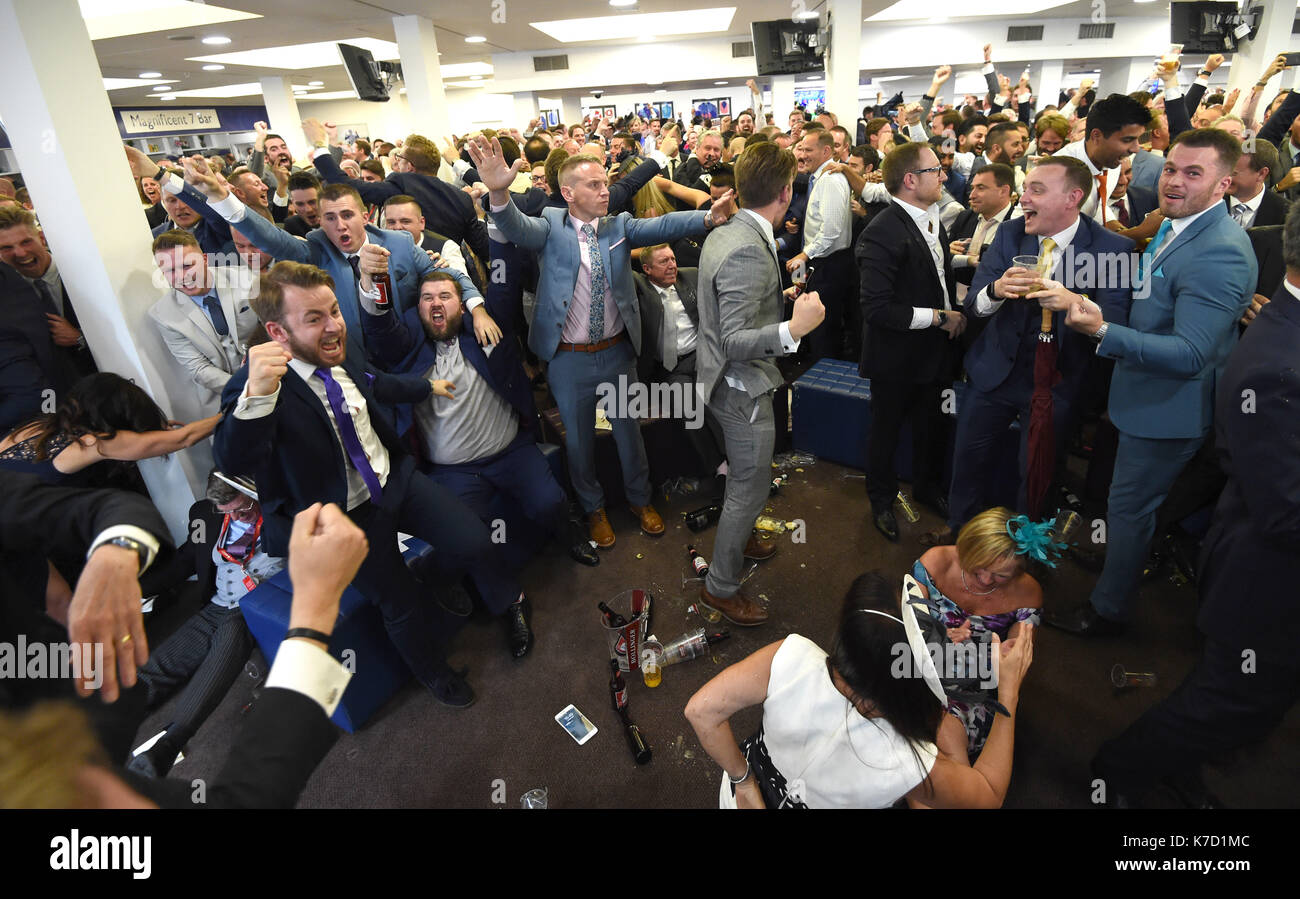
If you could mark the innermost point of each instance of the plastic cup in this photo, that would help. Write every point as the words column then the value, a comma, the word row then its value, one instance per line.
column 534, row 798
column 651, row 672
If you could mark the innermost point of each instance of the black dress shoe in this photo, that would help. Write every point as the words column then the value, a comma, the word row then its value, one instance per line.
column 519, row 635
column 455, row 600
column 886, row 524
column 451, row 689
column 584, row 553
column 935, row 503
column 157, row 760
column 1085, row 622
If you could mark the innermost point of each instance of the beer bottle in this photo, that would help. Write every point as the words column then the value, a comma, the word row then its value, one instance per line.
column 699, row 519
column 384, row 284
column 635, row 741
column 612, row 618
column 617, row 687
column 697, row 562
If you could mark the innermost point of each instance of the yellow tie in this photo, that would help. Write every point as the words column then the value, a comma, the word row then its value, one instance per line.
column 1046, row 262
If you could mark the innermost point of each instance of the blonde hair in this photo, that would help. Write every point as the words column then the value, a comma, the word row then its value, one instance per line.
column 42, row 750
column 649, row 200
column 984, row 541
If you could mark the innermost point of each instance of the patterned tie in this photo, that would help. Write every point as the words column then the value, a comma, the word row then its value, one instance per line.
column 1103, row 195
column 1046, row 263
column 1121, row 212
column 596, row 327
column 348, row 433
column 213, row 305
column 1239, row 213
column 670, row 332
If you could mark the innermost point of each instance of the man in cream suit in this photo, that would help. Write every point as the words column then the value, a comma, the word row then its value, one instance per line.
column 205, row 318
column 740, row 333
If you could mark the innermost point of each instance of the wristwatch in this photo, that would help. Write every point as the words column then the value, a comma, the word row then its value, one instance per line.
column 132, row 544
column 943, row 317
column 1100, row 334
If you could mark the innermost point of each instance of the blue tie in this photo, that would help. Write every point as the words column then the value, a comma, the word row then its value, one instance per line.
column 1152, row 248
column 596, row 326
column 213, row 305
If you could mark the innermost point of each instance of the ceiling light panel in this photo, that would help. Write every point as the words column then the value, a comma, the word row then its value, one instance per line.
column 624, row 27
column 249, row 89
column 117, row 84
column 118, row 18
column 924, row 9
column 301, row 56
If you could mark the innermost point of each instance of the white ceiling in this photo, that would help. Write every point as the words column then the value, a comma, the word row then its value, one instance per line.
column 282, row 22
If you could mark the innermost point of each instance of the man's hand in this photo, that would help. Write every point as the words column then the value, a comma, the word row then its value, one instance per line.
column 325, row 551
column 105, row 610
column 988, row 53
column 1015, row 282
column 1231, row 100
column 954, row 324
column 1054, row 296
column 491, row 163
column 371, row 260
column 752, row 85
column 141, row 165
column 486, row 329
column 668, row 146
column 797, row 263
column 1084, row 86
column 449, row 151
column 1258, row 302
column 807, row 315
column 260, row 129
column 1275, row 67
column 62, row 331
column 961, row 633
column 791, row 226
column 1214, row 62
column 267, row 364
column 332, row 132
column 1004, row 85
column 958, row 247
column 1289, row 180
column 912, row 114
column 200, row 175
column 443, row 387
column 856, row 207
column 314, row 132
column 942, row 74
column 1085, row 317
column 281, row 173
column 723, row 208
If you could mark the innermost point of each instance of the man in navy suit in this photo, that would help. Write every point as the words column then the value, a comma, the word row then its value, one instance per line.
column 1000, row 364
column 1250, row 568
column 587, row 323
column 1198, row 275
column 305, row 422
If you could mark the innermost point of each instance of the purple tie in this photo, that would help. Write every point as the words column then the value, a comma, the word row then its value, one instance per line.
column 348, row 431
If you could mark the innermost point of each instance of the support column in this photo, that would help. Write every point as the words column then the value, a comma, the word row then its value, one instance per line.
column 571, row 109
column 1252, row 57
column 282, row 114
column 525, row 109
column 1048, row 85
column 422, row 75
column 782, row 100
column 70, row 152
column 844, row 61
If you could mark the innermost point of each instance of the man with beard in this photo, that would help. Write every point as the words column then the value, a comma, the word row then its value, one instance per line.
column 304, row 421
column 1200, row 272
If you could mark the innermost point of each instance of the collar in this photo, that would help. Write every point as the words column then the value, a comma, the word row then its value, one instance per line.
column 765, row 227
column 1063, row 237
column 663, row 291
column 1180, row 225
column 306, row 370
column 358, row 252
column 1291, row 288
column 821, row 168
column 998, row 216
column 1254, row 202
column 922, row 217
column 578, row 223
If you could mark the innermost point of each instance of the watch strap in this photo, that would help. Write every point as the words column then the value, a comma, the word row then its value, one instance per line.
column 309, row 633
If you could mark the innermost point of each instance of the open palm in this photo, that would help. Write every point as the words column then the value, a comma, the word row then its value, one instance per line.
column 491, row 163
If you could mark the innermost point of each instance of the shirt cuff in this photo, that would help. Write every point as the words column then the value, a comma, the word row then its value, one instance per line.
column 148, row 540
column 985, row 304
column 659, row 158
column 922, row 317
column 788, row 343
column 230, row 208
column 1173, row 92
column 278, row 200
column 250, row 407
column 459, row 166
column 473, row 303
column 303, row 668
column 370, row 300
column 987, row 69
column 170, row 183
column 961, row 260
column 493, row 207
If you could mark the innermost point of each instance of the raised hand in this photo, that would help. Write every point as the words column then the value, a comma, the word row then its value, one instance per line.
column 491, row 163
column 1214, row 62
column 200, row 175
column 724, row 207
column 988, row 52
column 141, row 165
column 942, row 74
column 332, row 132
column 807, row 315
column 314, row 132
column 267, row 364
column 260, row 129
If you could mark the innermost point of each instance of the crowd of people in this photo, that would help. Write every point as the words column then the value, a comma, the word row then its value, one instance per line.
column 369, row 332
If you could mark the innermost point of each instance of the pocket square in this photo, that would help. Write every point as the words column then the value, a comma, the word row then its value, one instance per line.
column 617, row 242
column 1158, row 273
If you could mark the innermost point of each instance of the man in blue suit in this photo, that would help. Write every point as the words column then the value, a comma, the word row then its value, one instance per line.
column 1198, row 275
column 587, row 323
column 336, row 247
column 1000, row 364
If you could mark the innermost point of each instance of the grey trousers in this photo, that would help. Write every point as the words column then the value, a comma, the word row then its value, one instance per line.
column 749, row 430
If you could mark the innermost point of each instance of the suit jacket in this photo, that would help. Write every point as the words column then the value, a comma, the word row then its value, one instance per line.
column 652, row 316
column 1267, row 243
column 1272, row 209
column 898, row 273
column 1013, row 328
column 555, row 240
column 213, row 234
column 296, row 225
column 1178, row 337
column 739, row 307
column 195, row 343
column 1251, row 552
column 1147, row 167
column 293, row 453
column 30, row 362
column 446, row 210
column 963, row 228
column 1141, row 203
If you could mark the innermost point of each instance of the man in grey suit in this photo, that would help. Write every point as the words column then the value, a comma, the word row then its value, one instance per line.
column 670, row 320
column 740, row 333
column 205, row 318
column 587, row 323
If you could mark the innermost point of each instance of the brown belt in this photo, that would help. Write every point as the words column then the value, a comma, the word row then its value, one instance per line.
column 594, row 347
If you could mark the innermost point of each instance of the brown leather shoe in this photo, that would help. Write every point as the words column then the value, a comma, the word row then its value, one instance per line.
column 737, row 608
column 651, row 523
column 759, row 549
column 601, row 532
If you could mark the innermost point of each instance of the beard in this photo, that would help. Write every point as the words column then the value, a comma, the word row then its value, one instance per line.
column 448, row 330
column 311, row 352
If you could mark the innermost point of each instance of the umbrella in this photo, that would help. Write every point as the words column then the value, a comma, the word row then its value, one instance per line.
column 1041, row 462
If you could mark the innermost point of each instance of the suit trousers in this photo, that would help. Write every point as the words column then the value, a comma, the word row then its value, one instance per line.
column 835, row 279
column 982, row 422
column 892, row 402
column 707, row 440
column 750, row 432
column 1145, row 468
column 1216, row 709
column 208, row 652
column 417, row 625
column 574, row 378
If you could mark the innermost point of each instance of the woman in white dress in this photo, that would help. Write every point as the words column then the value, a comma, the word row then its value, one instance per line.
column 846, row 730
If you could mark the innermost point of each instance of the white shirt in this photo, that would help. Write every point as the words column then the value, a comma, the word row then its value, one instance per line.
column 827, row 226
column 928, row 221
column 1177, row 227
column 1252, row 207
column 250, row 407
column 676, row 317
column 969, row 259
column 984, row 302
column 1091, row 207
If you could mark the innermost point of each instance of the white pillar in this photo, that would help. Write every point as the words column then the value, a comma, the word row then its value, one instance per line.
column 843, row 65
column 1048, row 85
column 418, row 47
column 1253, row 57
column 70, row 153
column 571, row 109
column 782, row 100
column 525, row 109
column 283, row 116
column 1122, row 75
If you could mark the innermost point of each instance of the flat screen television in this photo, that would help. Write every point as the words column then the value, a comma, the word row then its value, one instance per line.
column 1200, row 26
column 364, row 74
column 787, row 47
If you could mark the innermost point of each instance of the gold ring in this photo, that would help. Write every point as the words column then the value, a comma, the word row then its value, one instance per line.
column 125, row 639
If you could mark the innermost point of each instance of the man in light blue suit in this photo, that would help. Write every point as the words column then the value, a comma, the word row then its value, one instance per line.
column 1198, row 275
column 336, row 248
column 587, row 323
